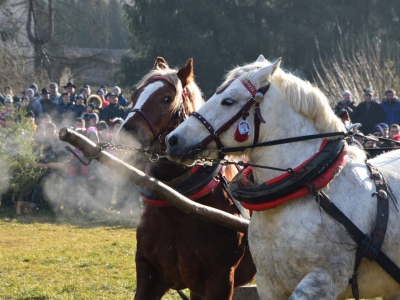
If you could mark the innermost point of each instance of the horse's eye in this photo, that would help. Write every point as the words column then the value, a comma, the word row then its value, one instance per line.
column 227, row 102
column 168, row 100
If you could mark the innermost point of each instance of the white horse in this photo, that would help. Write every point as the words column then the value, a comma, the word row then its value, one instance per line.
column 300, row 252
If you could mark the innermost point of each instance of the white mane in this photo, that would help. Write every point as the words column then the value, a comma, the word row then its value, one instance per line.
column 305, row 98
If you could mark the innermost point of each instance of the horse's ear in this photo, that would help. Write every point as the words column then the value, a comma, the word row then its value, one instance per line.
column 160, row 63
column 260, row 58
column 264, row 75
column 185, row 74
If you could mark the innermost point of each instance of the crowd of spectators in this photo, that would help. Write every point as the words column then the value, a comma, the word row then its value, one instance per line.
column 379, row 120
column 67, row 183
column 70, row 184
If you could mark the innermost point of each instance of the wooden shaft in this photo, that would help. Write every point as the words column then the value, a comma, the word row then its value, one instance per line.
column 90, row 149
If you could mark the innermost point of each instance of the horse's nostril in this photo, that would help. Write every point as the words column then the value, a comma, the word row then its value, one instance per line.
column 173, row 140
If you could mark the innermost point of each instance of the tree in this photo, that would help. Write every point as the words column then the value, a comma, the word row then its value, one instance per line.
column 37, row 35
column 219, row 34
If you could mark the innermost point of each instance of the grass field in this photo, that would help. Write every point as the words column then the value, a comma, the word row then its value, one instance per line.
column 64, row 256
column 44, row 256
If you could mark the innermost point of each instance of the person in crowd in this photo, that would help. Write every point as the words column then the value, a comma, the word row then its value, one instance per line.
column 54, row 160
column 393, row 130
column 80, row 124
column 89, row 90
column 8, row 91
column 369, row 112
column 79, row 108
column 377, row 131
column 97, row 102
column 45, row 119
column 33, row 104
column 121, row 99
column 54, row 95
column 93, row 120
column 84, row 93
column 35, row 89
column 64, row 109
column 70, row 90
column 385, row 128
column 114, row 110
column 6, row 111
column 104, row 88
column 104, row 132
column 396, row 138
column 89, row 110
column 100, row 179
column 117, row 123
column 77, row 175
column 346, row 104
column 48, row 105
column 391, row 107
column 101, row 94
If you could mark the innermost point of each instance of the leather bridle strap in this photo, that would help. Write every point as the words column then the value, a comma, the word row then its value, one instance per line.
column 214, row 134
column 142, row 114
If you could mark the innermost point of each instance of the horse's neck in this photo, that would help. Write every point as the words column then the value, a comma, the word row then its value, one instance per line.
column 282, row 156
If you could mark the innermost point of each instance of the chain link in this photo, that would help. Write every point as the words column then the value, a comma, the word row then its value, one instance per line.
column 154, row 156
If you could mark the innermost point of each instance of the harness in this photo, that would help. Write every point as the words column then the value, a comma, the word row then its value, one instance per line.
column 256, row 99
column 199, row 180
column 307, row 178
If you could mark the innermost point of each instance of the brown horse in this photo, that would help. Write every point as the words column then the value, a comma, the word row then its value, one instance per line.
column 176, row 250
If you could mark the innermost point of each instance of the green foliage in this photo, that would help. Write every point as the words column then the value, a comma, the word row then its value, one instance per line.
column 221, row 34
column 18, row 156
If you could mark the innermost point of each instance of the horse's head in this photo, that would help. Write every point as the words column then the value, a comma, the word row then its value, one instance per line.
column 163, row 99
column 257, row 94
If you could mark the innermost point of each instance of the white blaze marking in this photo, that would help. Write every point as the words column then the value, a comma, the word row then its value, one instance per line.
column 146, row 93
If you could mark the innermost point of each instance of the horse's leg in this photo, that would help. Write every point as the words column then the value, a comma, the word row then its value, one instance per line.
column 220, row 286
column 149, row 286
column 316, row 285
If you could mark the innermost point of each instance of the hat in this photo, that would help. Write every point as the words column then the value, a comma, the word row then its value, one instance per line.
column 117, row 121
column 117, row 88
column 69, row 84
column 94, row 115
column 346, row 92
column 377, row 128
column 369, row 91
column 80, row 96
column 53, row 85
column 86, row 86
column 83, row 89
column 91, row 105
column 30, row 113
column 102, row 125
column 103, row 87
column 45, row 91
column 51, row 125
column 383, row 125
column 33, row 86
column 30, row 90
column 92, row 130
column 100, row 91
column 113, row 95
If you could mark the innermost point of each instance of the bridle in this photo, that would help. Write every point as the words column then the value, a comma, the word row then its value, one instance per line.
column 256, row 98
column 178, row 117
